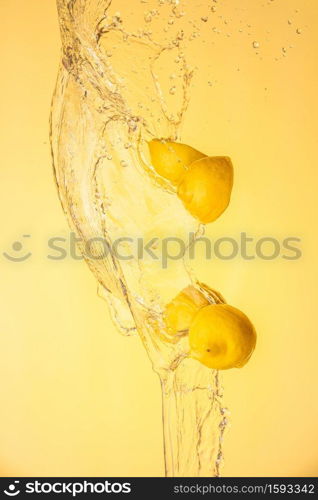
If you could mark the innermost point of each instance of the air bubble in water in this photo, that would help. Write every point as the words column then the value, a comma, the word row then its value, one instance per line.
column 298, row 31
column 172, row 91
column 256, row 45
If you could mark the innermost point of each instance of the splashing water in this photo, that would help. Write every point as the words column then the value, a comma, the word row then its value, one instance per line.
column 124, row 80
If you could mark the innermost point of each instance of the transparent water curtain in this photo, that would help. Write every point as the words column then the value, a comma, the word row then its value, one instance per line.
column 119, row 108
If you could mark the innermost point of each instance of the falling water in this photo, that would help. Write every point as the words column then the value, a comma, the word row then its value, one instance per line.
column 124, row 79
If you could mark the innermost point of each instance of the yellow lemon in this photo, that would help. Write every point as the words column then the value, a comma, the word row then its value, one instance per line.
column 206, row 187
column 221, row 337
column 171, row 159
column 181, row 310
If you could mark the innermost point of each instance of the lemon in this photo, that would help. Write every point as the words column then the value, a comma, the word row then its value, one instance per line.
column 181, row 310
column 171, row 159
column 206, row 187
column 221, row 337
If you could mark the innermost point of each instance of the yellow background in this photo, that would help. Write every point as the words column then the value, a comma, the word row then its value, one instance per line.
column 76, row 398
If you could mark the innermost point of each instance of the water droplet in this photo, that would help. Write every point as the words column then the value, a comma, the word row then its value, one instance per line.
column 204, row 19
column 256, row 45
column 132, row 125
column 298, row 31
column 109, row 157
column 172, row 91
column 284, row 49
column 123, row 163
column 117, row 18
column 213, row 8
column 210, row 84
column 289, row 21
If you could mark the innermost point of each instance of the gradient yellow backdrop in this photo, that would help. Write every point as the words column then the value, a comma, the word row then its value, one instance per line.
column 78, row 399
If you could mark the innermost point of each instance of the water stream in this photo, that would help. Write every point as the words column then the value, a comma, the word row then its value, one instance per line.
column 125, row 79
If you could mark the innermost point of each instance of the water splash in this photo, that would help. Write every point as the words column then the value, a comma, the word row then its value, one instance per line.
column 113, row 90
